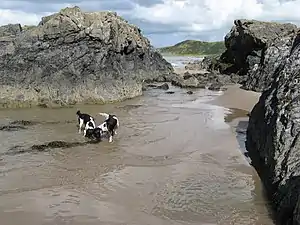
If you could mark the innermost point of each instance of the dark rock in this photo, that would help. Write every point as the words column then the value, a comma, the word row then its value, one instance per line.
column 24, row 122
column 215, row 87
column 190, row 92
column 255, row 49
column 161, row 79
column 46, row 147
column 207, row 63
column 273, row 139
column 164, row 86
column 76, row 57
column 194, row 65
column 187, row 76
column 214, row 81
column 12, row 128
column 56, row 144
column 170, row 92
column 152, row 85
column 191, row 82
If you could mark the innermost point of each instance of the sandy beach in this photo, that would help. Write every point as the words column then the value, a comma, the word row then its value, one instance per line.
column 178, row 156
column 235, row 97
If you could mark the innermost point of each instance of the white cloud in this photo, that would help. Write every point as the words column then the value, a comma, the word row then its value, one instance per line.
column 160, row 20
column 207, row 15
column 15, row 16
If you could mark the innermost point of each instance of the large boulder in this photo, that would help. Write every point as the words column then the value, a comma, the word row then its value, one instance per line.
column 273, row 138
column 255, row 48
column 74, row 56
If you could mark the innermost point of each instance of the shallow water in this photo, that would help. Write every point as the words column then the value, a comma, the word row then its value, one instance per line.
column 174, row 161
column 180, row 61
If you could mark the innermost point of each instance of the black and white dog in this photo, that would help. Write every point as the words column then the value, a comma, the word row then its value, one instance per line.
column 110, row 125
column 93, row 133
column 83, row 119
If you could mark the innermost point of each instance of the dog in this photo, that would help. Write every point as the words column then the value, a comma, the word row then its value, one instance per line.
column 83, row 119
column 92, row 133
column 88, row 127
column 110, row 125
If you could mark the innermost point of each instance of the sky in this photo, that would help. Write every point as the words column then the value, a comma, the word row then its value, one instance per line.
column 164, row 22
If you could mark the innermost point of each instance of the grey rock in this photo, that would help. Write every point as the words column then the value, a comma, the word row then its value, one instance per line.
column 76, row 57
column 211, row 80
column 164, row 86
column 207, row 63
column 215, row 87
column 255, row 49
column 273, row 139
column 191, row 82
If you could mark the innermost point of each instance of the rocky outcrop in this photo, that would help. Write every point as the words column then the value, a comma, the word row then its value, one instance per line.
column 207, row 63
column 212, row 81
column 255, row 49
column 273, row 138
column 76, row 57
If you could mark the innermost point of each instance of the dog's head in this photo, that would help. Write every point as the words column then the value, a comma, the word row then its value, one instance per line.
column 78, row 113
column 89, row 133
column 90, row 125
column 98, row 133
column 103, row 127
column 94, row 134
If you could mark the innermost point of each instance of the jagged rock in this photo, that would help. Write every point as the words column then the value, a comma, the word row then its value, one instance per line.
column 74, row 56
column 164, row 86
column 207, row 63
column 210, row 80
column 255, row 49
column 191, row 82
column 216, row 87
column 273, row 139
column 194, row 65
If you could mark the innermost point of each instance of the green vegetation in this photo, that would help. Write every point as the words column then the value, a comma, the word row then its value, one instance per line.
column 194, row 48
column 28, row 27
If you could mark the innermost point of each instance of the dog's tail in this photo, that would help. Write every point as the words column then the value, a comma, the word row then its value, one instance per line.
column 105, row 115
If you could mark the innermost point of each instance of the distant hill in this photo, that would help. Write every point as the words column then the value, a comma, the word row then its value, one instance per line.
column 193, row 47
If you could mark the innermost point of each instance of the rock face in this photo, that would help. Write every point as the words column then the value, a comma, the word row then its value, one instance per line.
column 273, row 138
column 255, row 49
column 207, row 63
column 76, row 57
column 212, row 81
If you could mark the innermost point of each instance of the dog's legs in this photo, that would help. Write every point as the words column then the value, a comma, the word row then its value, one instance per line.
column 117, row 125
column 111, row 134
column 80, row 125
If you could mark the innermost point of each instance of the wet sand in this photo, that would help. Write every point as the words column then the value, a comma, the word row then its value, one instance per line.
column 235, row 97
column 175, row 160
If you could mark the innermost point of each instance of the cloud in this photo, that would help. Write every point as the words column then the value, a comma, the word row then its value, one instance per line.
column 164, row 21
